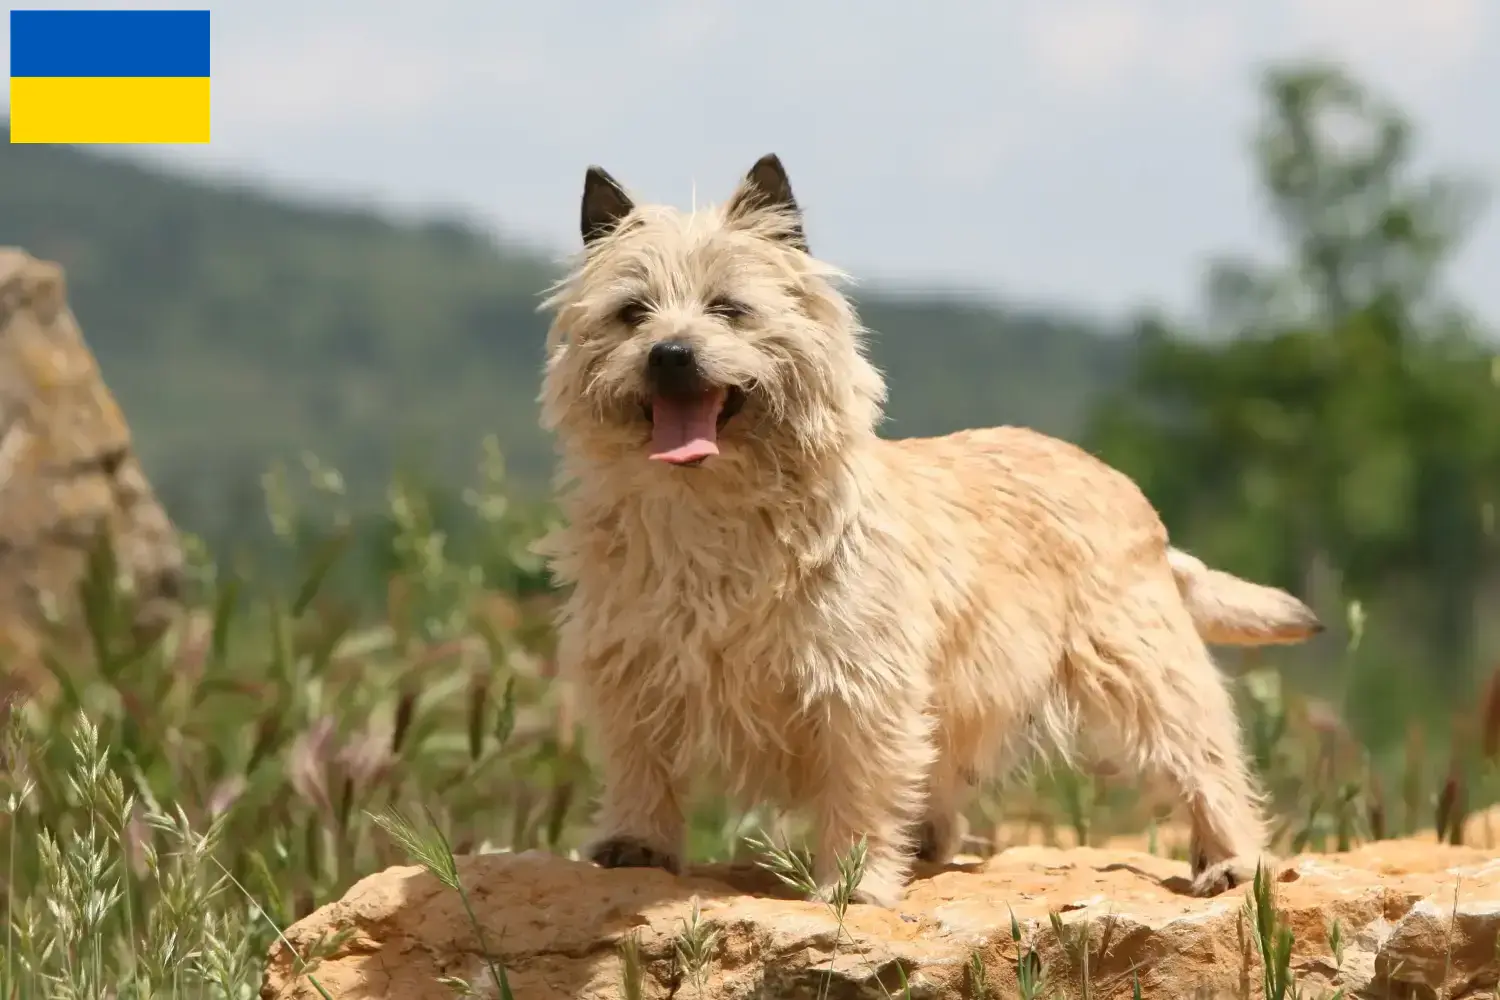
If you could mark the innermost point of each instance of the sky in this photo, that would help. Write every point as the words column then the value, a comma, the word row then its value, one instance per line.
column 1088, row 153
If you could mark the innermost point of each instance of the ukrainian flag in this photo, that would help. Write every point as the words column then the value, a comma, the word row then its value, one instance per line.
column 109, row 76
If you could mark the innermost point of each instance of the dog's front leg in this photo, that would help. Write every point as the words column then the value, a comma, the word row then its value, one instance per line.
column 640, row 822
column 874, row 766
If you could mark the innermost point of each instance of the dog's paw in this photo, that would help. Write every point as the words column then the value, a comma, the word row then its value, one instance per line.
column 927, row 848
column 935, row 842
column 629, row 852
column 1230, row 873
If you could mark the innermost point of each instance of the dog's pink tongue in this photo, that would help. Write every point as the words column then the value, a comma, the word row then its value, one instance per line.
column 685, row 430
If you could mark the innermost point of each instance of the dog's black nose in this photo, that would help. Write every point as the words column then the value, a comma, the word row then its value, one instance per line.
column 670, row 354
column 672, row 368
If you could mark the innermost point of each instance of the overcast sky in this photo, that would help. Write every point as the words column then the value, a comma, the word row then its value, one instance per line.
column 1085, row 151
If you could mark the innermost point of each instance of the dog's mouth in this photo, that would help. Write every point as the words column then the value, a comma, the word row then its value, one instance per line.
column 685, row 427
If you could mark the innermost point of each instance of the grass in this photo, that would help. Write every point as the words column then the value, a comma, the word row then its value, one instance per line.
column 165, row 811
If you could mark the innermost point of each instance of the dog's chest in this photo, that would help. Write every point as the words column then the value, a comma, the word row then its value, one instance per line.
column 744, row 696
column 741, row 719
column 726, row 638
column 718, row 616
column 705, row 580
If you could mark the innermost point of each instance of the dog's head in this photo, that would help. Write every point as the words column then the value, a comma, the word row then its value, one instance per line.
column 708, row 338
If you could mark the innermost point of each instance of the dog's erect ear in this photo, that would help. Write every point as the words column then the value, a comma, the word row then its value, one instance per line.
column 605, row 203
column 766, row 186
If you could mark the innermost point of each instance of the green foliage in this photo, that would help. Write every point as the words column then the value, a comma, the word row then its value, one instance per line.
column 278, row 720
column 1336, row 419
column 1032, row 980
column 1271, row 935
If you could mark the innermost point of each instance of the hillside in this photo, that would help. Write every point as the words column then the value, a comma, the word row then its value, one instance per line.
column 237, row 328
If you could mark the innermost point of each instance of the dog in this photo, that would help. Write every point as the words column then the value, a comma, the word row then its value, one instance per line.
column 763, row 590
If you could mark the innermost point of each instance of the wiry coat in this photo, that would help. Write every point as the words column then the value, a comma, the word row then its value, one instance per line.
column 858, row 627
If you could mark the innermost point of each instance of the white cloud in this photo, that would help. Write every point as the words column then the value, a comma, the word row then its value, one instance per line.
column 1094, row 48
column 1200, row 48
column 970, row 154
column 1088, row 45
column 312, row 77
column 684, row 25
column 1421, row 41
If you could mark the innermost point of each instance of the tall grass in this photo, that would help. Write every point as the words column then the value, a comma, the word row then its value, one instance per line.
column 164, row 810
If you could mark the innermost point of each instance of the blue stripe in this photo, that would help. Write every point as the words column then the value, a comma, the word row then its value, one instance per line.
column 109, row 43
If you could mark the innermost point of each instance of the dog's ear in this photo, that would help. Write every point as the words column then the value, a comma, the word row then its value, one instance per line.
column 766, row 186
column 605, row 203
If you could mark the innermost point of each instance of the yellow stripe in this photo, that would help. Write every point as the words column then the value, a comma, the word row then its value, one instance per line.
column 109, row 109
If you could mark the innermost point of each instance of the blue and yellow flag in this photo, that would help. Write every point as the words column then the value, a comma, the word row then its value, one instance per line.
column 109, row 76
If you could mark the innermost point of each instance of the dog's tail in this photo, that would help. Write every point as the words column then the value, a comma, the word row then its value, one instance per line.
column 1229, row 611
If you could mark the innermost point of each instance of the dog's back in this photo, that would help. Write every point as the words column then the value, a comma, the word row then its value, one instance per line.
column 1060, row 504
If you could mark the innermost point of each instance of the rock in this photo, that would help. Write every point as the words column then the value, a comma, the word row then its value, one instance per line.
column 1170, row 839
column 558, row 926
column 67, row 471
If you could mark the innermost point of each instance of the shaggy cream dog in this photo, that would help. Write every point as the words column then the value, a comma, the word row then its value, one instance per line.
column 765, row 591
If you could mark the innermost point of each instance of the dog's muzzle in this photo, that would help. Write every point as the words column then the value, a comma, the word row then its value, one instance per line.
column 686, row 411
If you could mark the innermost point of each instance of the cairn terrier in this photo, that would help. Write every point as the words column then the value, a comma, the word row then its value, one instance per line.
column 766, row 591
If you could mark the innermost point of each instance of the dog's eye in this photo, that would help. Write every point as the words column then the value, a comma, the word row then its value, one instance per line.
column 633, row 313
column 728, row 309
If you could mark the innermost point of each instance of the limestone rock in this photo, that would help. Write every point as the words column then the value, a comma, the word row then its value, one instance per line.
column 67, row 470
column 1416, row 920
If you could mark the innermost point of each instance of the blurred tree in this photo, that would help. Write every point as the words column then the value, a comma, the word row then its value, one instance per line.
column 1338, row 408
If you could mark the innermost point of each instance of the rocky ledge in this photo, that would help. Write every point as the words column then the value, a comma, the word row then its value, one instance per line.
column 68, row 475
column 1414, row 920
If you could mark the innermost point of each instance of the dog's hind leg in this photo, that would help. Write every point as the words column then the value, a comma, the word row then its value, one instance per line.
column 966, row 752
column 936, row 837
column 1140, row 674
column 873, row 768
